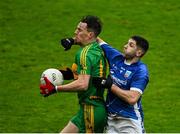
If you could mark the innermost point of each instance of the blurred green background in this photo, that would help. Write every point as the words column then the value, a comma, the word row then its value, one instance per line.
column 30, row 31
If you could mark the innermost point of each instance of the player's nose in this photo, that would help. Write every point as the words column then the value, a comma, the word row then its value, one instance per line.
column 76, row 32
column 125, row 46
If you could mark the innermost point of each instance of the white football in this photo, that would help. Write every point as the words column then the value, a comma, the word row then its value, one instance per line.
column 53, row 75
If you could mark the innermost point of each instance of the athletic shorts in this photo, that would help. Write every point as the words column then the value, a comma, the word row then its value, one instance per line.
column 118, row 124
column 90, row 119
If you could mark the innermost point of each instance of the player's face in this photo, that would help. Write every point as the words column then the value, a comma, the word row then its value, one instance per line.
column 130, row 49
column 81, row 33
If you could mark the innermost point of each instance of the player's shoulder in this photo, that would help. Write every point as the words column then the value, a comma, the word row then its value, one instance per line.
column 142, row 67
column 95, row 49
column 91, row 51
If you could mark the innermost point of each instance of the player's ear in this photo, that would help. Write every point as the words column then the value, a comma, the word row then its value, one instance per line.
column 139, row 53
column 91, row 35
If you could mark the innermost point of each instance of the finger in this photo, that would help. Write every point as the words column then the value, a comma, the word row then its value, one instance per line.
column 47, row 81
column 42, row 87
column 42, row 92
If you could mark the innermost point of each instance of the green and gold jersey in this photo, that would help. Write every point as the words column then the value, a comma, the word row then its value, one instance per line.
column 90, row 60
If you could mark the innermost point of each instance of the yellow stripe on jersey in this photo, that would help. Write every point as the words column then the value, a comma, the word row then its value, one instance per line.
column 89, row 118
column 83, row 59
column 92, row 118
column 101, row 69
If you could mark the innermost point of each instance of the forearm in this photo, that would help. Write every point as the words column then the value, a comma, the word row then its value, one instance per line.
column 128, row 96
column 72, row 87
column 81, row 84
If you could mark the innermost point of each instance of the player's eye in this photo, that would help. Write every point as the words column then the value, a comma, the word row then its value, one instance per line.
column 131, row 44
column 79, row 29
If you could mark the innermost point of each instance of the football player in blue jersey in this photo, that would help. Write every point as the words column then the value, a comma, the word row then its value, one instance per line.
column 126, row 83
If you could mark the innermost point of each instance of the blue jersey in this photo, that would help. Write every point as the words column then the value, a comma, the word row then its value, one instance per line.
column 127, row 77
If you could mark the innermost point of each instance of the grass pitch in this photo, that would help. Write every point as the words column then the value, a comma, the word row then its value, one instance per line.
column 30, row 31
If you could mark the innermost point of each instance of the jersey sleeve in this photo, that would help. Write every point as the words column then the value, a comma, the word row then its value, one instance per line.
column 110, row 52
column 140, row 80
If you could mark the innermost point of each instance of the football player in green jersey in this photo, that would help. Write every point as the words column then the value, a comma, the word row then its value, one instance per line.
column 89, row 62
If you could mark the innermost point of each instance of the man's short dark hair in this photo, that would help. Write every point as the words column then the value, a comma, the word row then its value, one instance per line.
column 93, row 24
column 141, row 42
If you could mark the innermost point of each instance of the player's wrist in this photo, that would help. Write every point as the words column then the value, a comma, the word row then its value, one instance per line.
column 56, row 88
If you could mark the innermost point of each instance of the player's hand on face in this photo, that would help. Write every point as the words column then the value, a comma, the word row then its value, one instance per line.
column 67, row 43
column 48, row 88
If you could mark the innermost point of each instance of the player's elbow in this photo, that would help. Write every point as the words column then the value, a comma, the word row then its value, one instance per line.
column 132, row 101
column 83, row 82
column 133, row 97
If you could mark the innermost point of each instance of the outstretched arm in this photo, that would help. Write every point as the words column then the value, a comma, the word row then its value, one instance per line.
column 81, row 84
column 99, row 40
column 110, row 52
